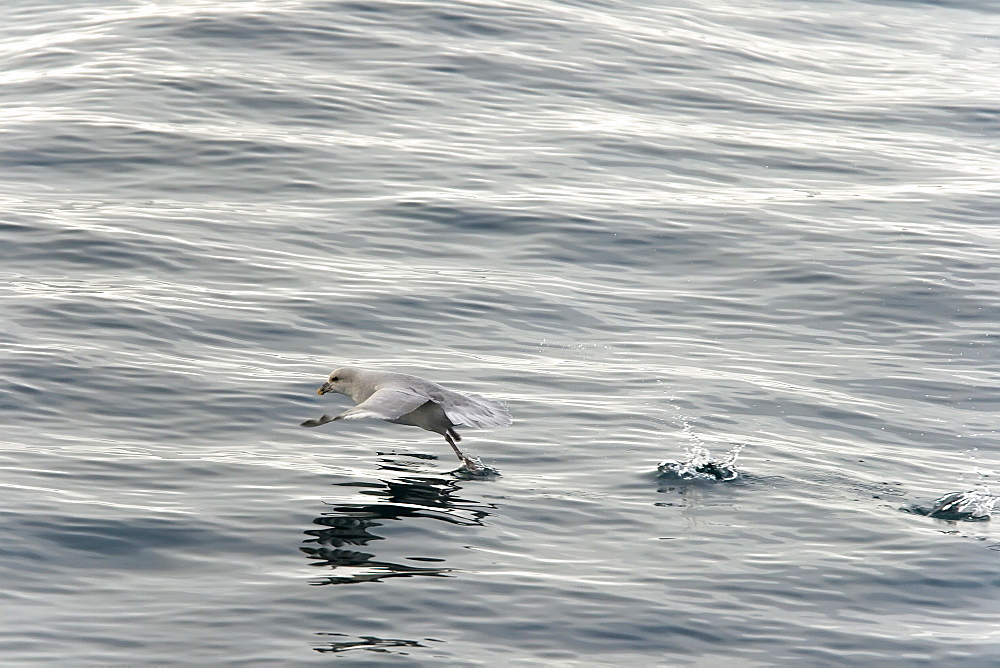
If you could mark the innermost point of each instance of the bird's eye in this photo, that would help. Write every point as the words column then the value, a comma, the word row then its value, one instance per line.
column 333, row 379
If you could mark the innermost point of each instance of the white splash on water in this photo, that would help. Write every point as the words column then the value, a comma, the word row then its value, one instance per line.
column 971, row 506
column 975, row 505
column 480, row 471
column 698, row 463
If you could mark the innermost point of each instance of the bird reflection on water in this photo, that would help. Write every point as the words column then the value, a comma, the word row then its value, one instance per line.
column 369, row 643
column 349, row 529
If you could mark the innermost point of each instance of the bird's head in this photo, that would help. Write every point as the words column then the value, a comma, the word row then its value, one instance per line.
column 337, row 382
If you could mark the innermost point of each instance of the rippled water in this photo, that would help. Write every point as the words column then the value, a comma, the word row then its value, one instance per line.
column 648, row 229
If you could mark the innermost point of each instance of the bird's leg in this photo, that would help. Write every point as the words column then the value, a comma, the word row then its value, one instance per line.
column 451, row 442
column 471, row 465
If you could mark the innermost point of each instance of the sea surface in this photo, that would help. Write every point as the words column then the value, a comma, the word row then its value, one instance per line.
column 662, row 233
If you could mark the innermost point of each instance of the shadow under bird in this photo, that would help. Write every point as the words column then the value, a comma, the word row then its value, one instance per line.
column 404, row 399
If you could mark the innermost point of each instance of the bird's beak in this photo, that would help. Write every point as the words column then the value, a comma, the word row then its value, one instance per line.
column 324, row 389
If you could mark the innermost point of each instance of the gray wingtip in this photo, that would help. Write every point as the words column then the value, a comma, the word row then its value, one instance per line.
column 317, row 422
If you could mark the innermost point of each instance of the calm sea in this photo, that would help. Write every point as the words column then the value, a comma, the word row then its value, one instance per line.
column 654, row 230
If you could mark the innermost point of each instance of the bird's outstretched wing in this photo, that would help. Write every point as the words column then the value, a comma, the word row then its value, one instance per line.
column 473, row 410
column 385, row 404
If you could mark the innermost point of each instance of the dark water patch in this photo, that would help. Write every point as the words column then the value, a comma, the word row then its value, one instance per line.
column 120, row 537
column 466, row 219
column 225, row 31
column 66, row 250
column 89, row 544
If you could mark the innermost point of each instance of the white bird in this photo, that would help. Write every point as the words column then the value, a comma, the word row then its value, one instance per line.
column 405, row 399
